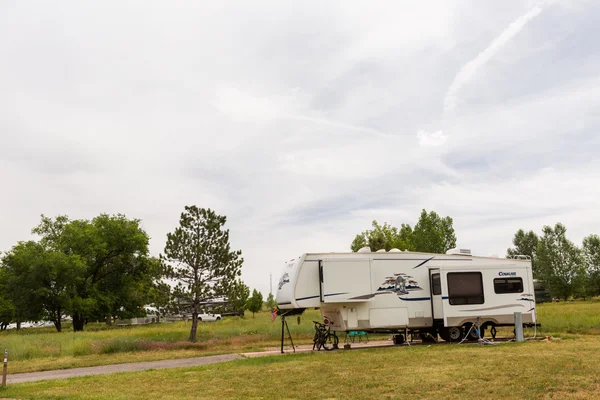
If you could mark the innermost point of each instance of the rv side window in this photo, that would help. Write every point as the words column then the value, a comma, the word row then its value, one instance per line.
column 465, row 288
column 436, row 284
column 508, row 285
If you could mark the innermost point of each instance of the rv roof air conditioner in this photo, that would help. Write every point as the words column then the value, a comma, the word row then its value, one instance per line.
column 459, row 252
column 380, row 251
column 395, row 251
column 364, row 250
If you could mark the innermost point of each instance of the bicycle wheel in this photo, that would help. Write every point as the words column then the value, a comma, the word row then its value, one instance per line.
column 331, row 341
column 319, row 339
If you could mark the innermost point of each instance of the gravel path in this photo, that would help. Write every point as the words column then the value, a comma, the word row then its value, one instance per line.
column 162, row 364
column 109, row 369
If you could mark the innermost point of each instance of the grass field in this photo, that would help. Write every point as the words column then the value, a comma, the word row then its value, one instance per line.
column 568, row 366
column 44, row 349
column 581, row 317
column 557, row 369
column 39, row 349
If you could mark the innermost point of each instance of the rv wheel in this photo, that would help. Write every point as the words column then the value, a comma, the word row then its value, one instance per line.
column 473, row 336
column 452, row 334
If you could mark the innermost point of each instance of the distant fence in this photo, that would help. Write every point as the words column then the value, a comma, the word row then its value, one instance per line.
column 150, row 319
column 153, row 319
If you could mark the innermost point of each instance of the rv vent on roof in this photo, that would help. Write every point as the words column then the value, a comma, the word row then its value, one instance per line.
column 395, row 251
column 380, row 251
column 459, row 252
column 364, row 250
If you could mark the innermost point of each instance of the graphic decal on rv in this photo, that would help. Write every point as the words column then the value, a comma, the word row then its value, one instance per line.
column 399, row 284
column 526, row 297
column 285, row 278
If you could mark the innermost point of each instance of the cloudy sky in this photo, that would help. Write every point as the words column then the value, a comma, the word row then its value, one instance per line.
column 302, row 121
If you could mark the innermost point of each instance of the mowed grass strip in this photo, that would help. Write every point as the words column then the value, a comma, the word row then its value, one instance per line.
column 559, row 369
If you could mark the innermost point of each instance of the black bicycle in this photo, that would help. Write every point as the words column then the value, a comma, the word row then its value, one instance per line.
column 324, row 337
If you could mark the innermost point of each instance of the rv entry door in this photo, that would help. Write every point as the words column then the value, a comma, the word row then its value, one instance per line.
column 437, row 310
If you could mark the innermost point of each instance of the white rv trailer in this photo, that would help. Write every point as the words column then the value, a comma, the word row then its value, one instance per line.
column 400, row 291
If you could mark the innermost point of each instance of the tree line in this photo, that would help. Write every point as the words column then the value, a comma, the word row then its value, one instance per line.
column 101, row 270
column 567, row 270
column 431, row 234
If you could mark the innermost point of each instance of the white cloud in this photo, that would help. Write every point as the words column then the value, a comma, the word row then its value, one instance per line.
column 239, row 105
column 436, row 138
column 300, row 125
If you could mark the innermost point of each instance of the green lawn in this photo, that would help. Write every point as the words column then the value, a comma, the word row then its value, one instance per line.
column 557, row 369
column 45, row 349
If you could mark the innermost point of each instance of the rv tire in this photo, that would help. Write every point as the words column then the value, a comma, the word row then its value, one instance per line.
column 472, row 334
column 452, row 334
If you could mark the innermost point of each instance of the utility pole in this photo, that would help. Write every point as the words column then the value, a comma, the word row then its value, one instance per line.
column 271, row 283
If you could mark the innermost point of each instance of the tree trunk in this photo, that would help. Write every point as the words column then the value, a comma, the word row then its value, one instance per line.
column 194, row 322
column 18, row 325
column 57, row 320
column 108, row 320
column 78, row 322
column 194, row 326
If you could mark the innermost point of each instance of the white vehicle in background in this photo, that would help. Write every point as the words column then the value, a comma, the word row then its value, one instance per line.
column 204, row 316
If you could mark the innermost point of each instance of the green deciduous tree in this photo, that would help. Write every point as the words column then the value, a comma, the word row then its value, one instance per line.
column 160, row 297
column 591, row 259
column 7, row 312
column 560, row 263
column 359, row 242
column 255, row 302
column 124, row 296
column 18, row 267
column 199, row 257
column 433, row 234
column 525, row 243
column 7, row 308
column 108, row 263
column 271, row 303
column 237, row 296
column 46, row 279
column 384, row 237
